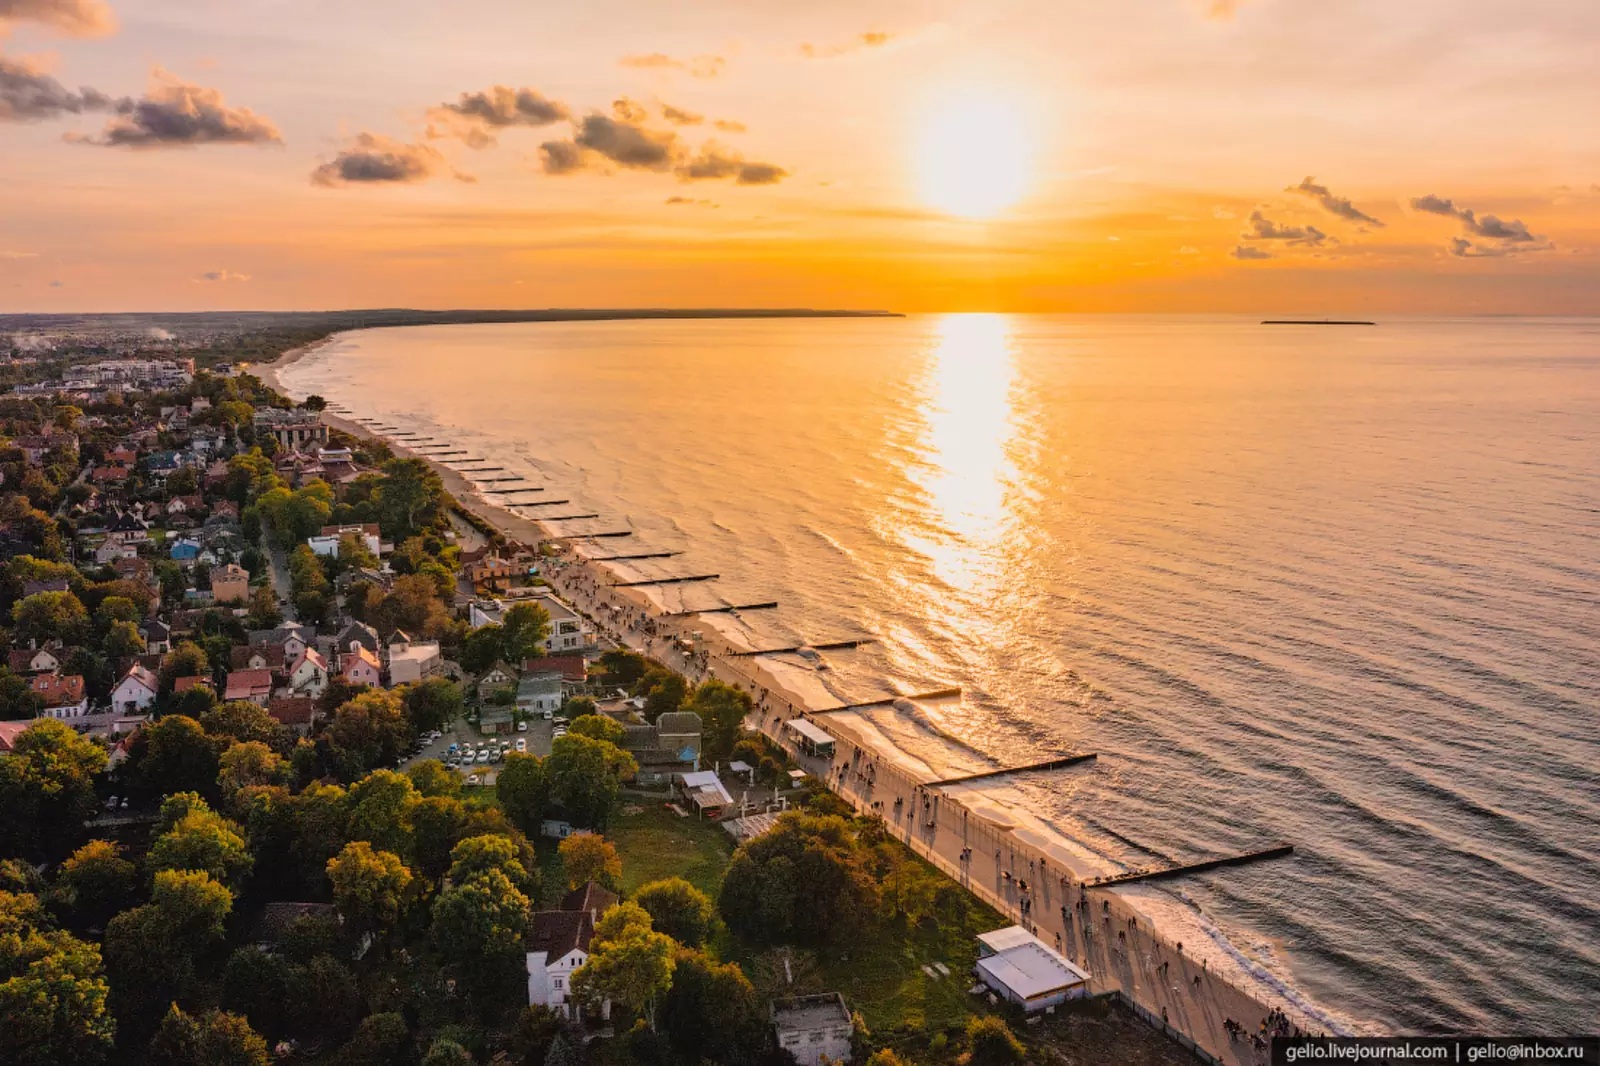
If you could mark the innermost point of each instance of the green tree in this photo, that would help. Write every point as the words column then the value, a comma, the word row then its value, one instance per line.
column 598, row 727
column 887, row 1057
column 17, row 698
column 432, row 704
column 623, row 667
column 722, row 710
column 712, row 1012
column 589, row 857
column 249, row 765
column 447, row 1053
column 478, row 855
column 372, row 888
column 663, row 691
column 52, row 991
column 114, row 609
column 409, row 499
column 263, row 986
column 438, row 824
column 523, row 790
column 805, row 881
column 47, row 789
column 991, row 1042
column 481, row 649
column 204, row 840
column 432, row 778
column 382, row 802
column 193, row 702
column 122, row 640
column 586, row 777
column 677, row 909
column 524, row 630
column 214, row 1038
column 187, row 659
column 50, row 616
column 264, row 612
column 380, row 1040
column 479, row 925
column 246, row 722
column 369, row 730
column 178, row 757
column 97, row 882
column 629, row 963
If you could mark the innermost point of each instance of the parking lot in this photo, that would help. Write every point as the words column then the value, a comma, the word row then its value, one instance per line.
column 461, row 732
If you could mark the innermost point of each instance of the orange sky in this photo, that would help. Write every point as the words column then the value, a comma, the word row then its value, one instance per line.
column 1141, row 156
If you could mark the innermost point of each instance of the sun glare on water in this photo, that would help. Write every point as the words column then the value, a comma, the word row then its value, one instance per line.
column 974, row 155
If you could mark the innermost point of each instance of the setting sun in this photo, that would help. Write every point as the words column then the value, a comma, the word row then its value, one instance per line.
column 974, row 156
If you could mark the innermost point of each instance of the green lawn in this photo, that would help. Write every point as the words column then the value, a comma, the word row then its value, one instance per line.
column 656, row 843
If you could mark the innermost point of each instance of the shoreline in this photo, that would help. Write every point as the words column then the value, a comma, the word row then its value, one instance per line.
column 1131, row 957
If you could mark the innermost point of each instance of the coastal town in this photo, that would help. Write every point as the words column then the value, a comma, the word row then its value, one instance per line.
column 310, row 755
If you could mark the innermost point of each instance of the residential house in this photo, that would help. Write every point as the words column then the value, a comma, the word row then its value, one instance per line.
column 327, row 542
column 184, row 684
column 293, row 638
column 292, row 428
column 157, row 637
column 293, row 711
column 680, row 732
column 485, row 613
column 61, row 696
column 135, row 691
column 308, row 674
column 492, row 574
column 109, row 551
column 360, row 666
column 497, row 677
column 258, row 657
column 557, row 944
column 1022, row 969
column 230, row 584
column 128, row 528
column 539, row 694
column 33, row 661
column 704, row 791
column 53, row 584
column 572, row 670
column 813, row 1028
column 252, row 685
column 568, row 631
column 186, row 505
column 361, row 633
column 410, row 661
column 185, row 550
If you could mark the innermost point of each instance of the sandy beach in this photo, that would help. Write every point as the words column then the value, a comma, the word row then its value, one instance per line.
column 1194, row 987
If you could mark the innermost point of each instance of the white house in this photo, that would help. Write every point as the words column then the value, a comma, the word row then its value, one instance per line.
column 1024, row 970
column 568, row 631
column 62, row 696
column 410, row 661
column 557, row 944
column 360, row 667
column 136, row 691
column 485, row 613
column 539, row 693
column 811, row 1027
column 34, row 661
column 327, row 542
column 308, row 674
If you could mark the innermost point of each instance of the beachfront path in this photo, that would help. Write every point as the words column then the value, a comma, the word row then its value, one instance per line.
column 1094, row 928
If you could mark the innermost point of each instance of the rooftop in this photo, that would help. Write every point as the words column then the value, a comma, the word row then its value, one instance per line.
column 805, row 1013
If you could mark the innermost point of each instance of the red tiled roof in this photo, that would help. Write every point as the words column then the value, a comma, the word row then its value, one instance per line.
column 570, row 667
column 242, row 684
column 56, row 690
column 184, row 684
column 292, row 711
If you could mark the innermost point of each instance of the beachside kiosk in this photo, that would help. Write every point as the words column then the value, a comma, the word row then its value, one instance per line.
column 814, row 740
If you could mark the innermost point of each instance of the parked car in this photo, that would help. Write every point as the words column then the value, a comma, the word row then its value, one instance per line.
column 522, row 727
column 522, row 745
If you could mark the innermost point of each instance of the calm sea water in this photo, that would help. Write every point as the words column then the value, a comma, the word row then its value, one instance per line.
column 1339, row 587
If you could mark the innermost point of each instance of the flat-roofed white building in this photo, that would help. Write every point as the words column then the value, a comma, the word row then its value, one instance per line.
column 1026, row 971
column 814, row 740
column 813, row 1027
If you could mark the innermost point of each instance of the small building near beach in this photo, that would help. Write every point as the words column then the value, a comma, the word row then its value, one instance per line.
column 1024, row 970
column 813, row 1028
column 814, row 740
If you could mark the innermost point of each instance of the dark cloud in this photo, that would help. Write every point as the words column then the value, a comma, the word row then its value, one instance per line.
column 79, row 18
column 1241, row 252
column 728, row 125
column 222, row 275
column 1264, row 229
column 1512, row 236
column 178, row 114
column 1334, row 205
column 627, row 144
column 687, row 201
column 28, row 94
column 561, row 157
column 679, row 117
column 376, row 159
column 705, row 66
column 499, row 107
column 631, row 111
column 871, row 39
column 718, row 164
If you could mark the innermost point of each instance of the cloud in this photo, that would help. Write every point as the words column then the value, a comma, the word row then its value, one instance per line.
column 1222, row 212
column 1512, row 236
column 631, row 111
column 1334, row 205
column 728, row 125
column 561, row 157
column 703, row 66
column 58, row 284
column 687, row 201
column 177, row 114
column 378, row 160
column 679, row 117
column 1264, row 229
column 500, row 107
column 715, row 163
column 10, row 255
column 222, row 275
column 28, row 94
column 1241, row 252
column 870, row 39
column 76, row 18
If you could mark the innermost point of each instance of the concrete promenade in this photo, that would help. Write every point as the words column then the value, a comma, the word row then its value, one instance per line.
column 1095, row 928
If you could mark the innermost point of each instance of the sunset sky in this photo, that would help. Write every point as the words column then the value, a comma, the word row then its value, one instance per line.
column 1144, row 155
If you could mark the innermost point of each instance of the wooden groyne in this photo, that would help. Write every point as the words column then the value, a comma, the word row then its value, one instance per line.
column 684, row 579
column 543, row 503
column 936, row 694
column 562, row 517
column 1277, row 852
column 1048, row 764
column 834, row 645
column 502, row 480
column 625, row 558
column 724, row 609
column 511, row 492
column 609, row 533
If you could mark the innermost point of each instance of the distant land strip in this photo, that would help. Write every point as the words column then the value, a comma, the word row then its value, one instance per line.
column 334, row 321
